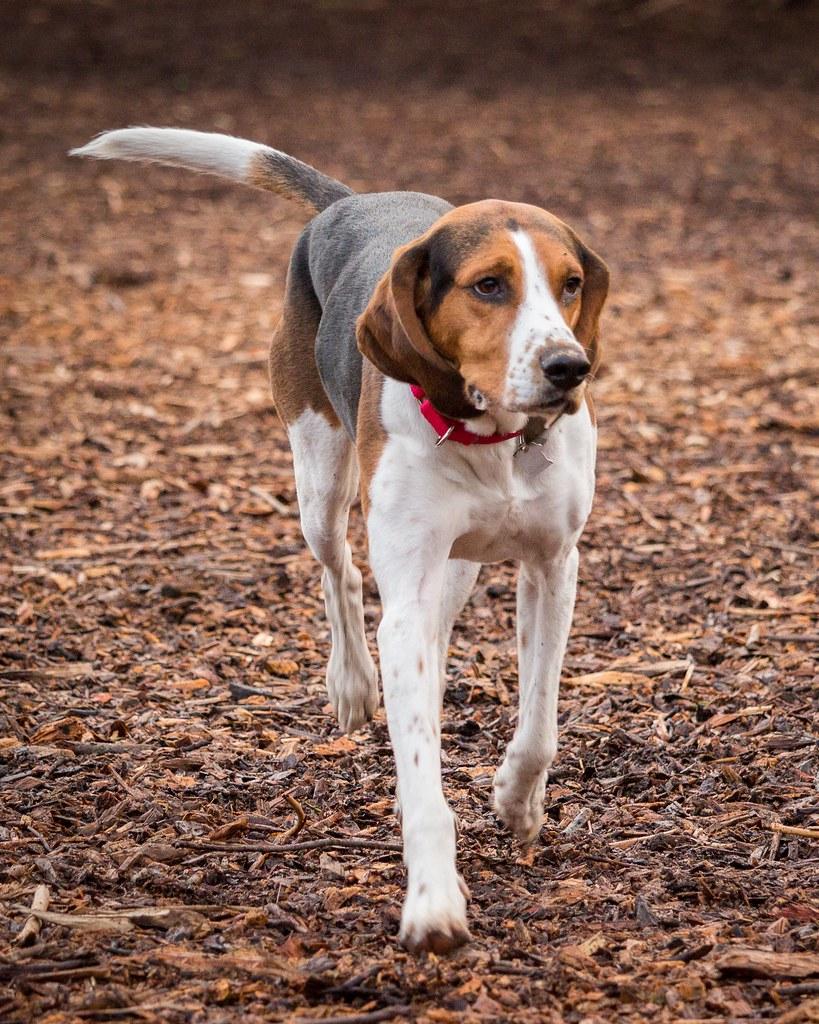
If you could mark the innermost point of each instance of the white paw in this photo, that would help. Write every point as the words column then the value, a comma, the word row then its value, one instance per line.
column 519, row 803
column 434, row 915
column 353, row 692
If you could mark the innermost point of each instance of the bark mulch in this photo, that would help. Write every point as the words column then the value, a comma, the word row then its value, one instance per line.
column 195, row 837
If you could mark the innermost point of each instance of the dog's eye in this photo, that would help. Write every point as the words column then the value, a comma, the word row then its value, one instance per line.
column 488, row 287
column 572, row 286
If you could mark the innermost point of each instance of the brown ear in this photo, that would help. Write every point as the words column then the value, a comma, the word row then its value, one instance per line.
column 595, row 289
column 391, row 334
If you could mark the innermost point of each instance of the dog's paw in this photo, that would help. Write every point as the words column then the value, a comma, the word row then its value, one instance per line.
column 354, row 696
column 519, row 805
column 434, row 917
column 356, row 709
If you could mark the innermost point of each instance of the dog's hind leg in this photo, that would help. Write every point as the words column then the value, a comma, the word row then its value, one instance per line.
column 327, row 482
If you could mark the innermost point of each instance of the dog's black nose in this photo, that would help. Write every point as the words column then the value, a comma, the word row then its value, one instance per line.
column 565, row 371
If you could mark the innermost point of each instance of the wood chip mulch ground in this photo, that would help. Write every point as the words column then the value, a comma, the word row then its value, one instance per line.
column 184, row 833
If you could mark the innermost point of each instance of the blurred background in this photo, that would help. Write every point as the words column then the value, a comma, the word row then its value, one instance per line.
column 651, row 110
column 151, row 566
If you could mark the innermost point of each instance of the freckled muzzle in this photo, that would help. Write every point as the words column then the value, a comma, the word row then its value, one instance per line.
column 554, row 376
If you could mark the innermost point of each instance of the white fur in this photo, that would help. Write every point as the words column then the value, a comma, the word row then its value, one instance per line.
column 208, row 152
column 432, row 511
column 327, row 482
column 538, row 328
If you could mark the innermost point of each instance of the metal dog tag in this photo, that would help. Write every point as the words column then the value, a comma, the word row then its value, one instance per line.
column 532, row 459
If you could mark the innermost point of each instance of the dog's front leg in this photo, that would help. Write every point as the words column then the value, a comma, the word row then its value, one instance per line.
column 410, row 573
column 545, row 606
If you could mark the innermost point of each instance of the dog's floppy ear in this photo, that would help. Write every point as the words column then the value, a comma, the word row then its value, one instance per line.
column 595, row 290
column 392, row 335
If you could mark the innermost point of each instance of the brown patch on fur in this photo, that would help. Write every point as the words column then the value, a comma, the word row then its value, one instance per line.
column 294, row 378
column 262, row 174
column 370, row 433
column 471, row 331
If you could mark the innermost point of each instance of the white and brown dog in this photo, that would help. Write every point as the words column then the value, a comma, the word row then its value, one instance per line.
column 469, row 427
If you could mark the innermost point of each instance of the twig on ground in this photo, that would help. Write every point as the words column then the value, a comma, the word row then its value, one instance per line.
column 795, row 830
column 361, row 1018
column 307, row 844
column 578, row 821
column 128, row 788
column 806, row 988
column 239, row 824
column 269, row 499
column 643, row 512
column 301, row 818
column 31, row 928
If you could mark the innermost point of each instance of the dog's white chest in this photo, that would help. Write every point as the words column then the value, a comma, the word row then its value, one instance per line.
column 488, row 503
column 537, row 509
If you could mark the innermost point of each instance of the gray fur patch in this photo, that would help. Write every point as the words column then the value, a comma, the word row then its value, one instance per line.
column 349, row 247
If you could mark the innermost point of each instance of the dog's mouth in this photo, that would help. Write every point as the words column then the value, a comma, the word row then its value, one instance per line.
column 549, row 407
column 549, row 402
column 558, row 401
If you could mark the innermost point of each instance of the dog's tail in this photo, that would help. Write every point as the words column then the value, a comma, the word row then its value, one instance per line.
column 248, row 162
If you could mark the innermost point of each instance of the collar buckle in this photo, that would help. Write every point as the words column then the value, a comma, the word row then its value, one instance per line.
column 445, row 436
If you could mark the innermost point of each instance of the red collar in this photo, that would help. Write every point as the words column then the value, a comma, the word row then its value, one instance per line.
column 453, row 430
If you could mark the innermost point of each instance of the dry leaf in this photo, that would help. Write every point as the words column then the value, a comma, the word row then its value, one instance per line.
column 335, row 748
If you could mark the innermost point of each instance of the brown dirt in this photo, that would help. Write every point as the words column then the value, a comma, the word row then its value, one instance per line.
column 152, row 562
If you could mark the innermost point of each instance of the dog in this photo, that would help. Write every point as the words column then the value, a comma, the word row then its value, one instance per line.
column 438, row 357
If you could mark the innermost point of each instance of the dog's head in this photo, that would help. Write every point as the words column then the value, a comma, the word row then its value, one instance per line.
column 494, row 309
